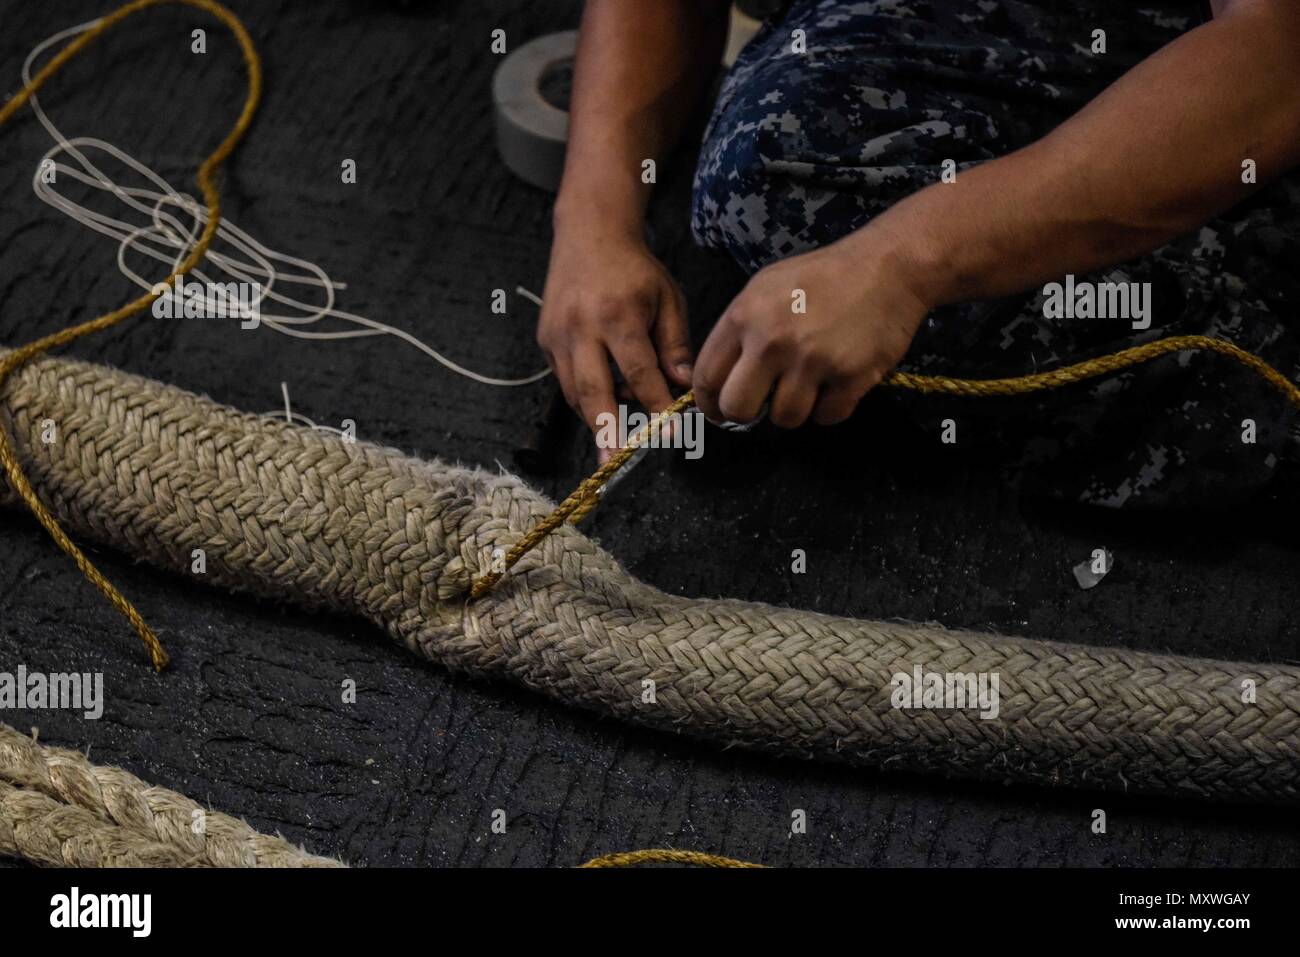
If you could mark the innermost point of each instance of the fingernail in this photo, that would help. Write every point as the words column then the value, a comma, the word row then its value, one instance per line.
column 684, row 368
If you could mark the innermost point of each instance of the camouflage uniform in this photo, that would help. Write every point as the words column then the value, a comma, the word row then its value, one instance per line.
column 803, row 148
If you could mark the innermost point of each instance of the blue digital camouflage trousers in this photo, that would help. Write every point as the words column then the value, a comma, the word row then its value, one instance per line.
column 803, row 148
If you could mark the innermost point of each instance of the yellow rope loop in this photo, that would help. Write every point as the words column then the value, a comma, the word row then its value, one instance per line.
column 8, row 455
column 586, row 497
column 663, row 855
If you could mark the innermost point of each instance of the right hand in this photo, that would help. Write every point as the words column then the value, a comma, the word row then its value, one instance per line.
column 609, row 297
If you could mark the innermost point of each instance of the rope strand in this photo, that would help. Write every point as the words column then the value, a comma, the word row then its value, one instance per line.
column 582, row 500
column 664, row 855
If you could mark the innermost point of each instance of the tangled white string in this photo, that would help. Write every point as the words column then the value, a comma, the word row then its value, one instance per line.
column 175, row 221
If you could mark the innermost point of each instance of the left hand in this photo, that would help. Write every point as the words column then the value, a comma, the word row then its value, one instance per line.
column 861, row 315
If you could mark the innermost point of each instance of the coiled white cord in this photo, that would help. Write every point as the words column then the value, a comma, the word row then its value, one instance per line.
column 175, row 220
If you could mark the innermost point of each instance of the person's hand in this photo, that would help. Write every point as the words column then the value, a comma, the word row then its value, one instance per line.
column 608, row 297
column 860, row 318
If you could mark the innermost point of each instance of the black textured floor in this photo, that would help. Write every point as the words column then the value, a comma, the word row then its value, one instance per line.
column 250, row 719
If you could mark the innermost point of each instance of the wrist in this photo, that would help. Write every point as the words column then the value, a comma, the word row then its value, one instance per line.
column 910, row 254
column 981, row 237
column 604, row 213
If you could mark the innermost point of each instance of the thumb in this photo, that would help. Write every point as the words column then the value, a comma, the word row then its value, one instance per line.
column 672, row 338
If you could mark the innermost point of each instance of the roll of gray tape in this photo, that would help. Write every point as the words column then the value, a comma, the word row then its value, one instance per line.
column 531, row 133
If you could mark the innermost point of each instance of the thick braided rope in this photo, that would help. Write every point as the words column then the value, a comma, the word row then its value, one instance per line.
column 207, row 185
column 586, row 497
column 310, row 519
column 57, row 808
column 42, row 830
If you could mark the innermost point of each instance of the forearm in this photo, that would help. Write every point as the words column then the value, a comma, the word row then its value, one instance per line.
column 641, row 68
column 1156, row 155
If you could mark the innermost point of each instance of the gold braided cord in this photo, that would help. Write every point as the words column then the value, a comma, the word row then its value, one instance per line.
column 586, row 496
column 663, row 855
column 1091, row 368
column 8, row 456
column 582, row 499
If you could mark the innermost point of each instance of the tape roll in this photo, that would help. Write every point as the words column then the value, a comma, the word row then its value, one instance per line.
column 532, row 133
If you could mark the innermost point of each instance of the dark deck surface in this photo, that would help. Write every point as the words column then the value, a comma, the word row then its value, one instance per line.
column 249, row 717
